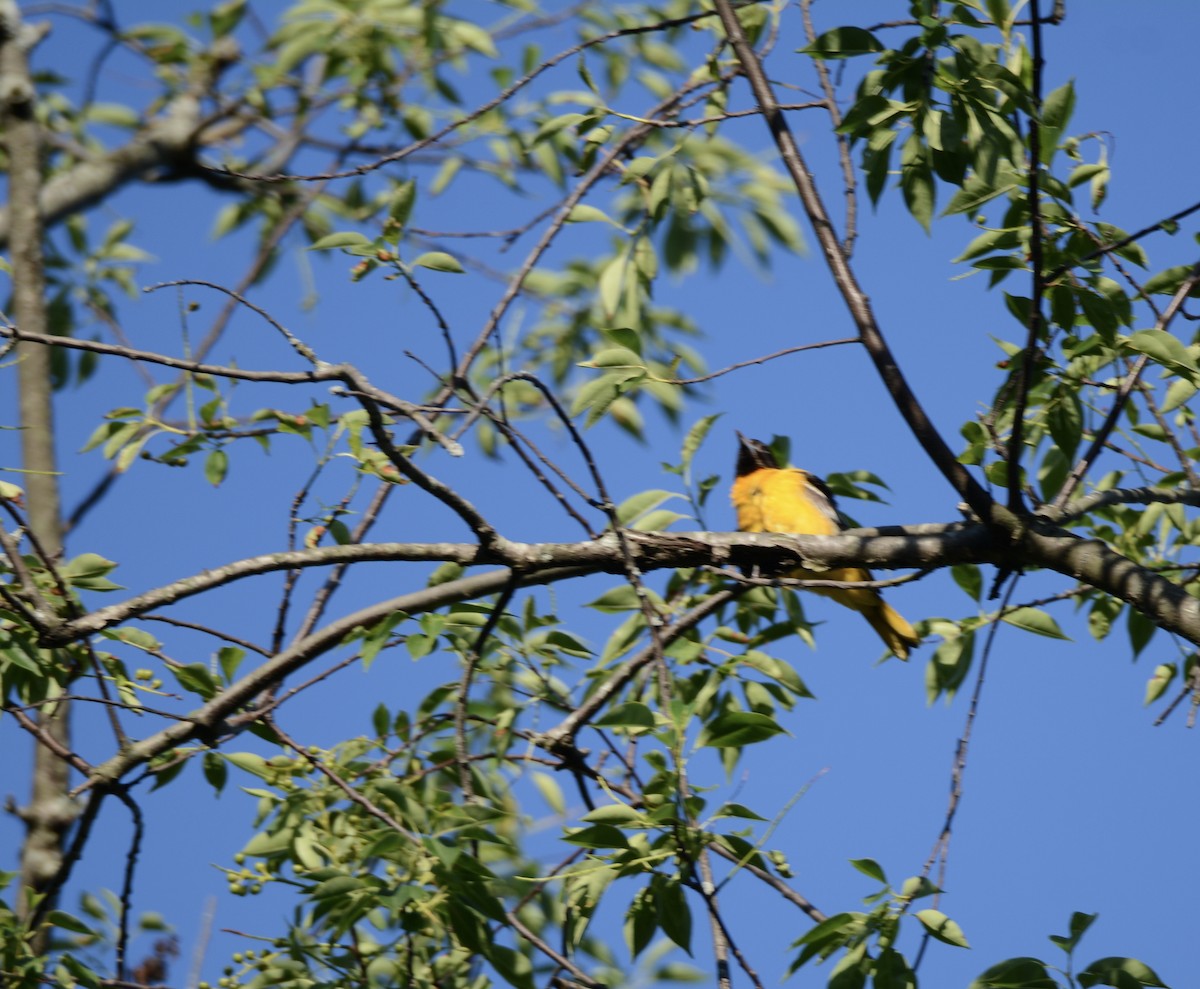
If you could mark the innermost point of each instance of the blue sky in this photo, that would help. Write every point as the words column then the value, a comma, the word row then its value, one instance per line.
column 1073, row 800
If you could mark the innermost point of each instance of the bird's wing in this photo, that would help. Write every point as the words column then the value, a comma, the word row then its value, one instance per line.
column 822, row 499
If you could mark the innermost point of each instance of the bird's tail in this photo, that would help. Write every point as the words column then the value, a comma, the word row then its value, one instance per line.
column 898, row 635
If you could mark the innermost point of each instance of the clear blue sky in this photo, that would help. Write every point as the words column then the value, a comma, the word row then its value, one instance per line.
column 1073, row 800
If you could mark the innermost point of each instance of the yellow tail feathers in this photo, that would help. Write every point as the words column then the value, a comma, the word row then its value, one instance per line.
column 892, row 627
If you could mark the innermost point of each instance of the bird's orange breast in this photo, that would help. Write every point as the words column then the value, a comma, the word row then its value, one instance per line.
column 779, row 501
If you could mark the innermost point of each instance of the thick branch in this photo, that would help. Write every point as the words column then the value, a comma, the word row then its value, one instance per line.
column 1092, row 562
column 210, row 720
column 166, row 145
column 917, row 546
column 1078, row 507
column 1043, row 545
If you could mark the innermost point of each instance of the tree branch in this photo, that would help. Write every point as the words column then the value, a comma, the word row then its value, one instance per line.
column 167, row 142
column 856, row 300
column 920, row 546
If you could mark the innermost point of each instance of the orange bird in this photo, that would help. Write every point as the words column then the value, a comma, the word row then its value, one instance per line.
column 770, row 498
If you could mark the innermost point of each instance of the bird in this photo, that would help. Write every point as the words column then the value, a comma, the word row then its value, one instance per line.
column 770, row 498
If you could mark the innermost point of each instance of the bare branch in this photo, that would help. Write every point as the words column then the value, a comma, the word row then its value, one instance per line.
column 762, row 360
column 913, row 546
column 1118, row 496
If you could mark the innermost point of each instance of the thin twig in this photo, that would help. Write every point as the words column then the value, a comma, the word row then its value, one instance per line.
column 942, row 845
column 760, row 360
column 1016, row 445
column 131, row 858
column 850, row 234
column 461, row 747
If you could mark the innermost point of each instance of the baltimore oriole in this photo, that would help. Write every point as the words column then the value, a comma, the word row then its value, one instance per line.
column 770, row 498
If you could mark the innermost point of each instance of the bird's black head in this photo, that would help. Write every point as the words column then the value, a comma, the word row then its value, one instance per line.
column 753, row 455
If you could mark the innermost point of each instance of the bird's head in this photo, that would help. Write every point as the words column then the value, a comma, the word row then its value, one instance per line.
column 753, row 455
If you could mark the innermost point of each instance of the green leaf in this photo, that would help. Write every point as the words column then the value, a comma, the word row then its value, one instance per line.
column 139, row 638
column 1034, row 620
column 1167, row 282
column 338, row 886
column 83, row 975
column 639, row 504
column 977, row 190
column 632, row 714
column 1064, row 418
column 695, row 437
column 948, row 667
column 450, row 168
column 68, row 922
column 1080, row 922
column 614, row 814
column 401, row 206
column 739, row 811
column 252, row 763
column 1161, row 679
column 1103, row 612
column 834, row 927
column 988, row 241
column 112, row 114
column 615, row 357
column 216, row 467
column 597, row 396
column 917, row 184
column 843, row 42
column 345, row 238
column 942, row 927
column 597, row 836
column 551, row 792
column 738, row 728
column 1141, row 631
column 1056, row 114
column 377, row 636
column 674, row 914
column 1179, row 393
column 1016, row 973
column 626, row 337
column 216, row 771
column 87, row 572
column 1084, row 173
column 892, row 971
column 641, row 921
column 475, row 37
column 610, row 286
column 870, row 868
column 197, row 678
column 583, row 213
column 85, row 566
column 1119, row 972
column 1163, row 347
column 439, row 261
column 969, row 577
column 916, row 887
column 621, row 598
